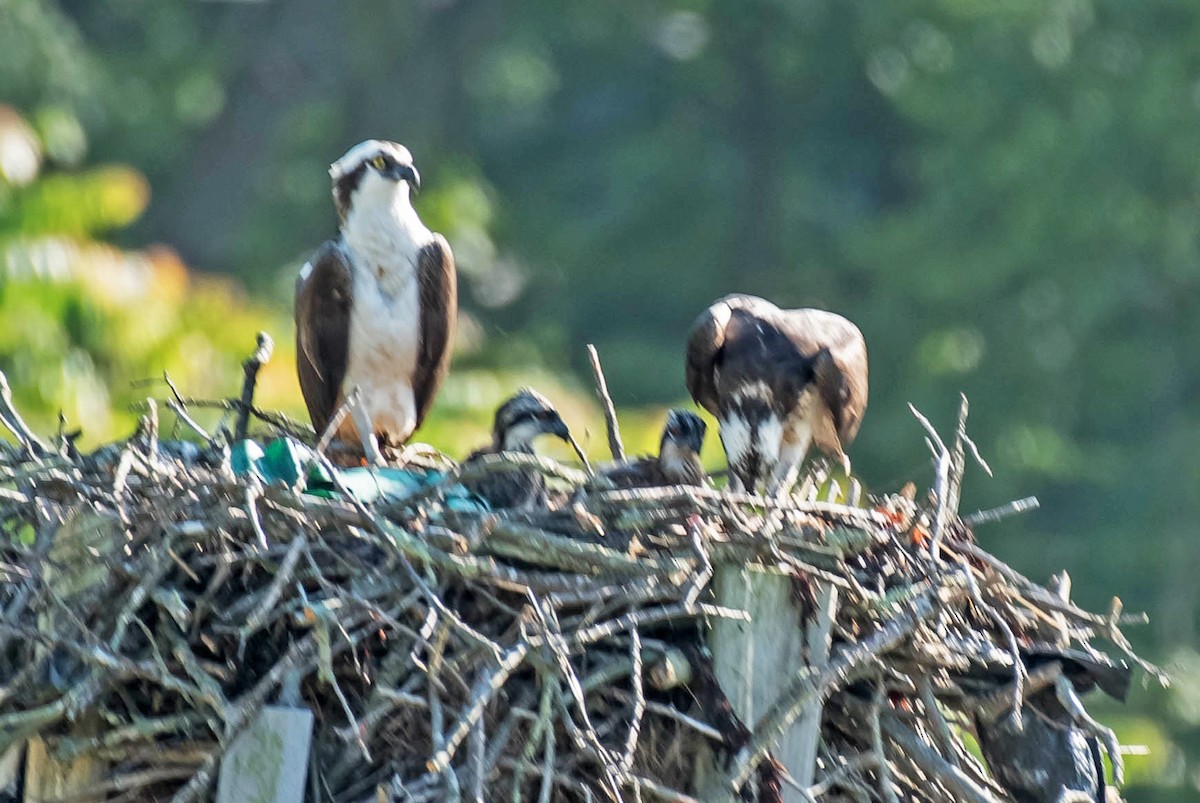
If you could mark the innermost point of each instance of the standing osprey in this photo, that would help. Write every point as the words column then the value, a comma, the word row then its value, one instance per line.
column 777, row 380
column 519, row 421
column 678, row 461
column 375, row 307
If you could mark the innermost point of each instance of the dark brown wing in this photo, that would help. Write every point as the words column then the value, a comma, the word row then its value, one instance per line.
column 706, row 341
column 839, row 363
column 439, row 313
column 322, row 313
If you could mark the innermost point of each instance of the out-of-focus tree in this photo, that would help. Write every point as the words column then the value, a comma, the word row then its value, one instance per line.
column 83, row 320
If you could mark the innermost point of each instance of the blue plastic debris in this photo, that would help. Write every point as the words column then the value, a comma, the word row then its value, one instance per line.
column 244, row 457
column 287, row 461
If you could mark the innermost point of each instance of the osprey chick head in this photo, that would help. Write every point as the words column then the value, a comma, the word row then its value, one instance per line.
column 679, row 449
column 523, row 418
column 376, row 171
column 683, row 430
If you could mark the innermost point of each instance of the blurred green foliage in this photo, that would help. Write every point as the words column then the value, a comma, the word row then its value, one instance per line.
column 1005, row 196
column 85, row 321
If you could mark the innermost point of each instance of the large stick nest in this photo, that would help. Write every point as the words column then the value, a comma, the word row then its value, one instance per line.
column 152, row 603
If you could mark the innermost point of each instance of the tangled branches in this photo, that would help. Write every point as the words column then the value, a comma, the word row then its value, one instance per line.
column 538, row 655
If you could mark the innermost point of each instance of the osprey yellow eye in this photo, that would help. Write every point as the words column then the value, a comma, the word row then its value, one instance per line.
column 379, row 163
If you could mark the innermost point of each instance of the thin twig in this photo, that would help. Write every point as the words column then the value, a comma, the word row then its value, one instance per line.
column 1001, row 512
column 610, row 412
column 1070, row 701
column 12, row 421
column 261, row 356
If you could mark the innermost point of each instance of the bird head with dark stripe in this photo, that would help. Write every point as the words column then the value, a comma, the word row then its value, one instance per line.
column 518, row 423
column 374, row 172
column 679, row 450
column 522, row 419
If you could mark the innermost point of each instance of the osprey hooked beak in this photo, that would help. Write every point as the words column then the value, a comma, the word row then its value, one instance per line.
column 526, row 416
column 554, row 425
column 394, row 170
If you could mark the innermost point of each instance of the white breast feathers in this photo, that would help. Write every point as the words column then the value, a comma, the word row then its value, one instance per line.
column 383, row 241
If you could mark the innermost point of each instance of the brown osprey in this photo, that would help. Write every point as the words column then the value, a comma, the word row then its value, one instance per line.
column 375, row 307
column 777, row 380
column 678, row 461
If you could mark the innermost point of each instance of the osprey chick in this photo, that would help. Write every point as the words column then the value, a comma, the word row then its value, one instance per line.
column 777, row 380
column 518, row 422
column 678, row 461
column 375, row 307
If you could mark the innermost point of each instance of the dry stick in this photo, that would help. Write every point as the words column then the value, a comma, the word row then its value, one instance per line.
column 13, row 422
column 181, row 413
column 857, row 764
column 301, row 656
column 659, row 791
column 549, row 683
column 437, row 645
column 1051, row 602
column 547, row 787
column 486, row 688
column 1019, row 671
column 151, row 424
column 278, row 420
column 934, row 766
column 436, row 603
column 251, row 367
column 942, row 479
column 335, row 421
column 1112, row 632
column 680, row 494
column 941, row 729
column 700, row 579
column 586, row 737
column 651, row 616
column 115, row 665
column 477, row 752
column 639, row 702
column 1001, row 512
column 267, row 602
column 878, row 698
column 502, row 736
column 610, row 413
column 174, row 390
column 133, row 781
column 1070, row 701
column 391, row 536
column 958, row 455
column 670, row 712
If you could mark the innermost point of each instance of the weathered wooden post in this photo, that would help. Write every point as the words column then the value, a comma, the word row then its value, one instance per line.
column 268, row 762
column 751, row 659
